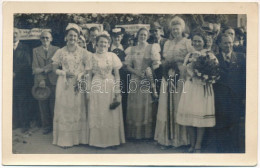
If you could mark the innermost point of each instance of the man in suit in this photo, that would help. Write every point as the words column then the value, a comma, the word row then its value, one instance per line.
column 44, row 76
column 230, row 93
column 93, row 32
column 156, row 31
column 22, row 83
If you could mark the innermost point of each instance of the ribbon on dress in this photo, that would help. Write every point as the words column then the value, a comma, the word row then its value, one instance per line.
column 169, row 128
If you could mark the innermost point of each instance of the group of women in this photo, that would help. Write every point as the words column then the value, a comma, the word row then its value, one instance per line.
column 86, row 118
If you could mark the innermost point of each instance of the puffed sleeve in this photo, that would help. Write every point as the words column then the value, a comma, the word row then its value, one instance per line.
column 129, row 57
column 57, row 57
column 189, row 46
column 186, row 59
column 116, row 63
column 87, row 59
column 128, row 50
column 165, row 48
column 155, row 55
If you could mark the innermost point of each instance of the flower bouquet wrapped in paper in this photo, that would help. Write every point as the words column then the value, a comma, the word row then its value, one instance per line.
column 204, row 67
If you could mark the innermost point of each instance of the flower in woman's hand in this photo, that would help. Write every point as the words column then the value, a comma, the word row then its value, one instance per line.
column 205, row 76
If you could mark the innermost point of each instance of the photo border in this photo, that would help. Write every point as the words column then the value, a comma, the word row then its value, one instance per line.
column 249, row 158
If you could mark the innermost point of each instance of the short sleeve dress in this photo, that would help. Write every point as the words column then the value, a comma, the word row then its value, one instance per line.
column 106, row 125
column 139, row 118
column 70, row 118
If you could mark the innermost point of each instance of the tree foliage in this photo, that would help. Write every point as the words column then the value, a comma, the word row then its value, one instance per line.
column 58, row 22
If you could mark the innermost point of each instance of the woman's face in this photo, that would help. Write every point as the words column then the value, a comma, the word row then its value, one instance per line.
column 72, row 37
column 143, row 35
column 198, row 43
column 130, row 42
column 82, row 43
column 209, row 42
column 102, row 44
column 176, row 31
column 117, row 39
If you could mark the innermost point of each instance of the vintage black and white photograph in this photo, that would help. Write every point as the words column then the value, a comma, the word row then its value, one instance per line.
column 130, row 83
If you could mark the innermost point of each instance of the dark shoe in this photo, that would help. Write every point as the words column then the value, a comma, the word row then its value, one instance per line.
column 191, row 150
column 47, row 131
column 112, row 147
column 165, row 147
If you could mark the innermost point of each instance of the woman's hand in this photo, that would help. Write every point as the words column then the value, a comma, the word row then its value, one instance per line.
column 171, row 72
column 70, row 75
column 48, row 68
column 117, row 96
column 139, row 74
column 42, row 84
column 38, row 70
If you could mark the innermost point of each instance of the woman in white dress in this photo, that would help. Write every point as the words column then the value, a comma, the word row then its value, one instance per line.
column 167, row 131
column 70, row 118
column 105, row 123
column 196, row 108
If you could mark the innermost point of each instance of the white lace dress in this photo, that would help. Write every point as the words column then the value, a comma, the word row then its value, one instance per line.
column 70, row 118
column 106, row 126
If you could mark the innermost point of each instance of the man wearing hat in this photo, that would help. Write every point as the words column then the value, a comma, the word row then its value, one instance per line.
column 156, row 32
column 117, row 48
column 44, row 79
column 22, row 82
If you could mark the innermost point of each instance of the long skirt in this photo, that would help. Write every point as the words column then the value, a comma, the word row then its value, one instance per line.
column 106, row 125
column 70, row 118
column 139, row 118
column 167, row 131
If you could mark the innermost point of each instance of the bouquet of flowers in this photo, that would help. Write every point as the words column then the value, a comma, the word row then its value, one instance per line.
column 80, row 84
column 205, row 67
column 167, row 65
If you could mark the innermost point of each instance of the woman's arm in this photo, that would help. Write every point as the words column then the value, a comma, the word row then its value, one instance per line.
column 117, row 79
column 133, row 71
column 61, row 72
column 88, row 78
column 56, row 70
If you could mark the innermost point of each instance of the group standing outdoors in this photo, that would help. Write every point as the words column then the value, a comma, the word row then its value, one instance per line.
column 102, row 91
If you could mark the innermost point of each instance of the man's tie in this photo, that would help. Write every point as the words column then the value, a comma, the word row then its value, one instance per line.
column 46, row 52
